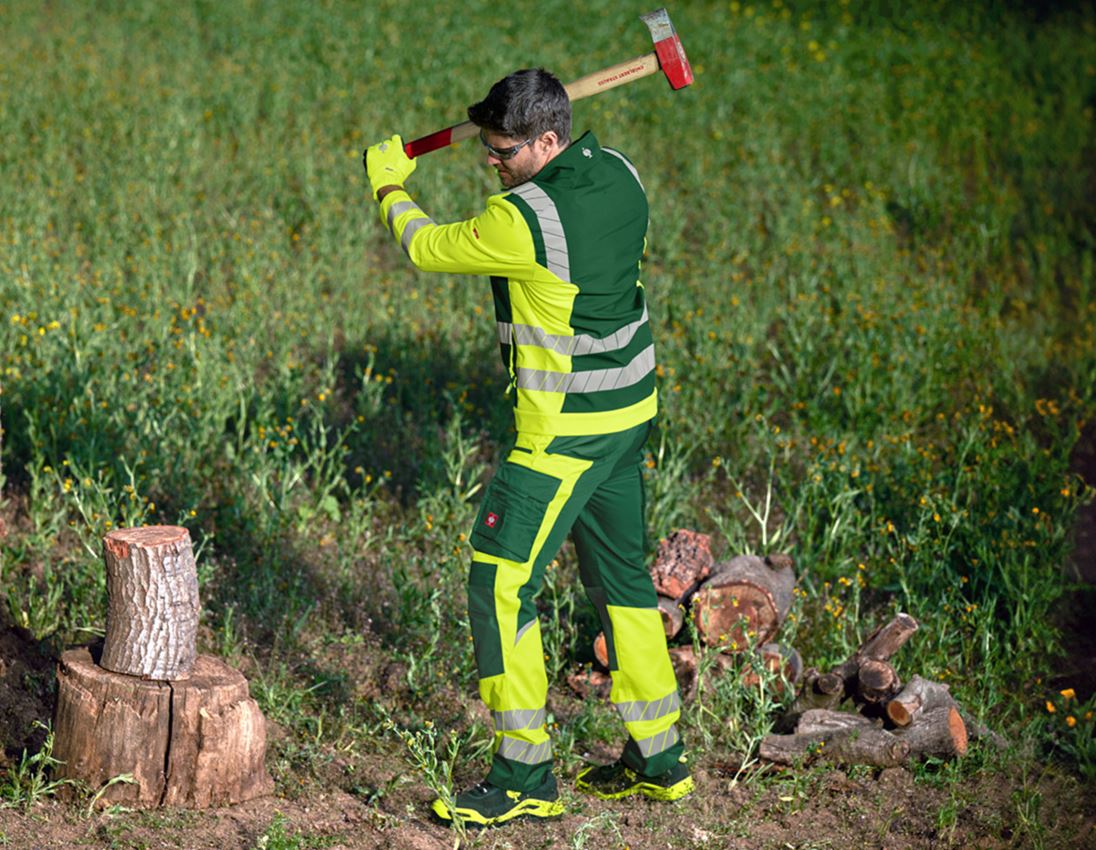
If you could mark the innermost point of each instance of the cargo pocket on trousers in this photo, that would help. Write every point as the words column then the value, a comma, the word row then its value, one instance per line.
column 513, row 512
column 486, row 640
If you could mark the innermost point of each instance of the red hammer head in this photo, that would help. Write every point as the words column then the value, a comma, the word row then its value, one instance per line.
column 671, row 55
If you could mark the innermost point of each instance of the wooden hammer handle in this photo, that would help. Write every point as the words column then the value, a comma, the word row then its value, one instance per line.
column 595, row 83
column 613, row 76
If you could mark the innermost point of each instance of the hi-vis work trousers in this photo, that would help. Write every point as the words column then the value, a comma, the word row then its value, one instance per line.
column 592, row 487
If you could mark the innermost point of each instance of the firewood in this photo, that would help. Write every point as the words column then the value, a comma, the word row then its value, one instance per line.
column 683, row 561
column 861, row 745
column 939, row 731
column 673, row 617
column 744, row 602
column 880, row 645
column 152, row 592
column 821, row 721
column 876, row 681
column 196, row 742
column 918, row 695
column 813, row 694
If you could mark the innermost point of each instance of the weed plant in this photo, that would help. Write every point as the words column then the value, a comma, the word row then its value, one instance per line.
column 870, row 271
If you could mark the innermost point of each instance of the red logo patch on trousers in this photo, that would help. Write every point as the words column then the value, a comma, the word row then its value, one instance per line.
column 491, row 520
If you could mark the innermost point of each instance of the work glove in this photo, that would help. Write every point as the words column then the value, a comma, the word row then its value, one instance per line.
column 386, row 164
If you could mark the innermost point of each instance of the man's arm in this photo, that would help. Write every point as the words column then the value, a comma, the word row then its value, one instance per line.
column 496, row 242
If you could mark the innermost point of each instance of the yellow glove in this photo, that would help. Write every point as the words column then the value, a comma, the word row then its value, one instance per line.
column 386, row 164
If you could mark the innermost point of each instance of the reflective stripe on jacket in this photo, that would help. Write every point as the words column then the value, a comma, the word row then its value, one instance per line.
column 563, row 252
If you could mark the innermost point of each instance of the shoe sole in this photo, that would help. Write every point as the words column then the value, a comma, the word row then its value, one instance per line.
column 662, row 793
column 543, row 809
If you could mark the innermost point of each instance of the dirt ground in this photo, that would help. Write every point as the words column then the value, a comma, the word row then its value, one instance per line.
column 816, row 808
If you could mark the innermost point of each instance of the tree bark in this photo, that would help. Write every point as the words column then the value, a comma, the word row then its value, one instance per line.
column 866, row 745
column 937, row 732
column 918, row 695
column 192, row 743
column 152, row 614
column 821, row 721
column 880, row 645
column 684, row 560
column 745, row 602
column 876, row 681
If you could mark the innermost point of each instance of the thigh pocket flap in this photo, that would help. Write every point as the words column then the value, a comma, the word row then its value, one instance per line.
column 513, row 512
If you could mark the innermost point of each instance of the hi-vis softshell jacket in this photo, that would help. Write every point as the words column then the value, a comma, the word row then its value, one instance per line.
column 563, row 253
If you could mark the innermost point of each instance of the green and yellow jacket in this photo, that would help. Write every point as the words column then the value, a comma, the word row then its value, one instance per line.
column 563, row 252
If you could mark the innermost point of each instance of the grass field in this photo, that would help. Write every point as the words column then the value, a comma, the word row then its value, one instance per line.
column 870, row 272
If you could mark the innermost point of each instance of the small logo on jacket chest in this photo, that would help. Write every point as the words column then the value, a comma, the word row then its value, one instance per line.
column 491, row 520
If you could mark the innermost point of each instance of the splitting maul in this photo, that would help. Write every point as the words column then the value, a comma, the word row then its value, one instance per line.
column 668, row 57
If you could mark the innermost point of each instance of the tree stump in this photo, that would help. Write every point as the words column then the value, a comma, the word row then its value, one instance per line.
column 182, row 726
column 152, row 598
column 194, row 743
column 745, row 601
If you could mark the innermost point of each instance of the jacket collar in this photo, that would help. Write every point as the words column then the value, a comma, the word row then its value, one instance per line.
column 575, row 159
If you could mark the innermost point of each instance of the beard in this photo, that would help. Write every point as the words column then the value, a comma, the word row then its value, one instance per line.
column 511, row 176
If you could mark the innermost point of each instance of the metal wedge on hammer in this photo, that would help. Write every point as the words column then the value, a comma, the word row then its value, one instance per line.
column 668, row 57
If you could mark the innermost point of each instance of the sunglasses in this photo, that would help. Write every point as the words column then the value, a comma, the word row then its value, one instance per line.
column 502, row 153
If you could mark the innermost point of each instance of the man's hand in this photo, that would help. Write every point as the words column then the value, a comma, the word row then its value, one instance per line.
column 386, row 164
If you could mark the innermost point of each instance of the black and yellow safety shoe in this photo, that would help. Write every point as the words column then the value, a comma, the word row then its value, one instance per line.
column 487, row 804
column 617, row 780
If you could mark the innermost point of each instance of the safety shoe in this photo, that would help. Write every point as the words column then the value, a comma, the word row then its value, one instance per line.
column 616, row 780
column 487, row 804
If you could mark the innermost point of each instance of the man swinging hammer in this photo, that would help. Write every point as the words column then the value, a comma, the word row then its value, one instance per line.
column 562, row 245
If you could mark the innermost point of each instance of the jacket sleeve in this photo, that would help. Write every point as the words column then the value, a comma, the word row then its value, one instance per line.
column 496, row 242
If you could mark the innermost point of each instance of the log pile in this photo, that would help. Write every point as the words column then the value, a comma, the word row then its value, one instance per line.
column 736, row 608
column 180, row 727
column 891, row 722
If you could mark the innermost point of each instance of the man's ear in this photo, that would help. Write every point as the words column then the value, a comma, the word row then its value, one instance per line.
column 549, row 139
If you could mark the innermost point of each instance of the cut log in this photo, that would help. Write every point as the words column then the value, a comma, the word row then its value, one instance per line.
column 673, row 616
column 867, row 745
column 193, row 743
column 918, row 695
column 152, row 595
column 813, row 694
column 889, row 638
column 683, row 561
column 880, row 645
column 937, row 732
column 744, row 603
column 876, row 681
column 820, row 721
column 601, row 650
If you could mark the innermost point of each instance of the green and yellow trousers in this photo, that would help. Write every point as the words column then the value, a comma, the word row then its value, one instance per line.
column 592, row 487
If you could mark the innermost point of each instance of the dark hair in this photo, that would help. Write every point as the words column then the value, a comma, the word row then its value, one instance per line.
column 524, row 105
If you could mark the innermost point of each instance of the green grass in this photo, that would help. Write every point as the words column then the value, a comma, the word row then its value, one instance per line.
column 870, row 270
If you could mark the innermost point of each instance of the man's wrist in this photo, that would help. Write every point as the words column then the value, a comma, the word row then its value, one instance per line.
column 387, row 190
